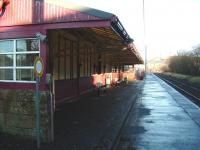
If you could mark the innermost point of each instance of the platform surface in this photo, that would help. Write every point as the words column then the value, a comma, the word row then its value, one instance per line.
column 91, row 122
column 163, row 120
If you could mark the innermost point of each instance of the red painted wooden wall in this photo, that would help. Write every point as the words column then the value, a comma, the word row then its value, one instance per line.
column 22, row 12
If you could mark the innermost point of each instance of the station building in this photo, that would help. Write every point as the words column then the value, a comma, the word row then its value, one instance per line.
column 77, row 45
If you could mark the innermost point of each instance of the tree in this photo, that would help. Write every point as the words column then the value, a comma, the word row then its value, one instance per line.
column 186, row 62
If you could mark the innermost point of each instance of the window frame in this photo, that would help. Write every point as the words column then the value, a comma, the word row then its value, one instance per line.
column 14, row 67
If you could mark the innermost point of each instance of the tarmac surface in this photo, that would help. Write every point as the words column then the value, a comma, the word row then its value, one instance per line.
column 163, row 119
column 91, row 123
column 159, row 118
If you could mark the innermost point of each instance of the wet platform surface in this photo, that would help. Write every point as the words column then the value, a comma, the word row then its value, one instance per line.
column 163, row 119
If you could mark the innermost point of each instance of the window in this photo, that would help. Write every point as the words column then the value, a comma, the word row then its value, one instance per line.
column 17, row 59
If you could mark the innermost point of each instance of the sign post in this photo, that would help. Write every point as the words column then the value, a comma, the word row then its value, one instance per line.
column 38, row 69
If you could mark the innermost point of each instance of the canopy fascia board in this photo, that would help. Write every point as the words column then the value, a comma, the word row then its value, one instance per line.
column 65, row 25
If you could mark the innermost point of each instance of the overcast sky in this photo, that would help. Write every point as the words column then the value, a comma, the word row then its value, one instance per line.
column 171, row 25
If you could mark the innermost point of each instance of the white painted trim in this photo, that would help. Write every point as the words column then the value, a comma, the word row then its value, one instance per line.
column 14, row 62
column 25, row 67
column 17, row 81
column 28, row 52
column 8, row 53
column 19, row 39
column 6, row 67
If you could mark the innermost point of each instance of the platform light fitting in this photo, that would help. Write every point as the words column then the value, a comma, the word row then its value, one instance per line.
column 41, row 37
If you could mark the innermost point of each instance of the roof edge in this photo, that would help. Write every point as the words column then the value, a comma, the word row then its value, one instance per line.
column 84, row 9
column 119, row 28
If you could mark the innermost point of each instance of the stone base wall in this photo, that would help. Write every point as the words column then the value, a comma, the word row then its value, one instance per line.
column 18, row 115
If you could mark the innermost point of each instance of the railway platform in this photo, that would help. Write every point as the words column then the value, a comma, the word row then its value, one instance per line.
column 90, row 123
column 162, row 119
column 144, row 115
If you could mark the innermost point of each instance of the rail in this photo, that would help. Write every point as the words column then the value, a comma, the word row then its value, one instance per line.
column 185, row 91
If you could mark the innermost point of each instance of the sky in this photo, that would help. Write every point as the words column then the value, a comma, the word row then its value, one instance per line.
column 171, row 25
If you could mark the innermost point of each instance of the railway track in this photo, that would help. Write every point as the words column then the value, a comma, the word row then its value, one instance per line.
column 189, row 90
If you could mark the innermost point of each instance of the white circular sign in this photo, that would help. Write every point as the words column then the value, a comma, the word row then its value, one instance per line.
column 38, row 67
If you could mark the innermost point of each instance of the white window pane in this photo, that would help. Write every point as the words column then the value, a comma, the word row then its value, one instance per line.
column 25, row 59
column 6, row 60
column 6, row 74
column 6, row 46
column 25, row 74
column 26, row 45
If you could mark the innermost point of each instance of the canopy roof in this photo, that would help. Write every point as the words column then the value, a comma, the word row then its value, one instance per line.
column 93, row 14
column 102, row 26
column 88, row 10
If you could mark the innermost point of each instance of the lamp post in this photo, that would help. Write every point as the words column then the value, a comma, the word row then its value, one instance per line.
column 145, row 40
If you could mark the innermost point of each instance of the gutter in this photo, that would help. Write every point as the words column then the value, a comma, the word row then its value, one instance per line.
column 120, row 30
